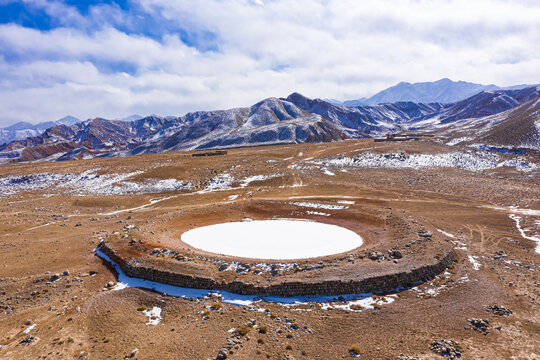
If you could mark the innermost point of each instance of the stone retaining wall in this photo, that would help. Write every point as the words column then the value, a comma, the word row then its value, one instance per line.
column 380, row 283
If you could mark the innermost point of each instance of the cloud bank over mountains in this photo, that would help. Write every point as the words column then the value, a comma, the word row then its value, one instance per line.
column 113, row 59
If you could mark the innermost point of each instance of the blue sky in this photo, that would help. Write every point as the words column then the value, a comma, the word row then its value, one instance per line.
column 116, row 58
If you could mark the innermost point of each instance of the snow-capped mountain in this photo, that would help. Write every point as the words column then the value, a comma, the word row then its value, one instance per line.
column 23, row 130
column 442, row 91
column 503, row 117
column 506, row 119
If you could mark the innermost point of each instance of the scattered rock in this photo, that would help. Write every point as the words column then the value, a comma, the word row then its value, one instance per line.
column 448, row 348
column 403, row 357
column 375, row 256
column 479, row 325
column 222, row 354
column 498, row 310
column 395, row 254
column 27, row 322
column 66, row 273
column 27, row 340
column 132, row 354
column 54, row 277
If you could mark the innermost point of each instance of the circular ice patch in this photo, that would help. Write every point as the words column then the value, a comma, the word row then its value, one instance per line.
column 273, row 239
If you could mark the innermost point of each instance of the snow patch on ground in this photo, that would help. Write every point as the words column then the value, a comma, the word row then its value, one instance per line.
column 458, row 140
column 327, row 172
column 245, row 182
column 317, row 213
column 445, row 233
column 319, row 206
column 513, row 214
column 460, row 160
column 459, row 245
column 535, row 237
column 273, row 239
column 360, row 304
column 218, row 183
column 30, row 328
column 151, row 202
column 88, row 183
column 154, row 315
column 474, row 261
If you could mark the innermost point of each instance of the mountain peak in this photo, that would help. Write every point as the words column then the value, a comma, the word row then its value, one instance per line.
column 443, row 90
column 68, row 120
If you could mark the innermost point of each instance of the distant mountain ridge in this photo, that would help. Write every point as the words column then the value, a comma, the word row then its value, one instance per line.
column 441, row 91
column 294, row 119
column 23, row 130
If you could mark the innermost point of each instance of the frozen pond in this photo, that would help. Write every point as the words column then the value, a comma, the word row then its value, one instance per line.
column 273, row 239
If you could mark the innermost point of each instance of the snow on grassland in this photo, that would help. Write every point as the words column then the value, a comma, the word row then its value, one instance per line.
column 460, row 160
column 245, row 182
column 88, row 182
column 319, row 206
column 220, row 182
column 458, row 140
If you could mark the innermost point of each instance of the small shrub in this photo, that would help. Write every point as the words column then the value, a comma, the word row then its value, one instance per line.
column 260, row 341
column 242, row 330
column 141, row 308
column 288, row 347
column 215, row 306
column 354, row 350
column 289, row 336
column 263, row 330
column 295, row 326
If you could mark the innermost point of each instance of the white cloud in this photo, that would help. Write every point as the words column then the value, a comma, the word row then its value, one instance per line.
column 338, row 49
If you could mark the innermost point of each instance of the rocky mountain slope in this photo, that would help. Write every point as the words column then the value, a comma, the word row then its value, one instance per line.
column 496, row 117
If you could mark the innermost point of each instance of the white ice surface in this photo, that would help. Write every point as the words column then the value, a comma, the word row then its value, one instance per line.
column 273, row 239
